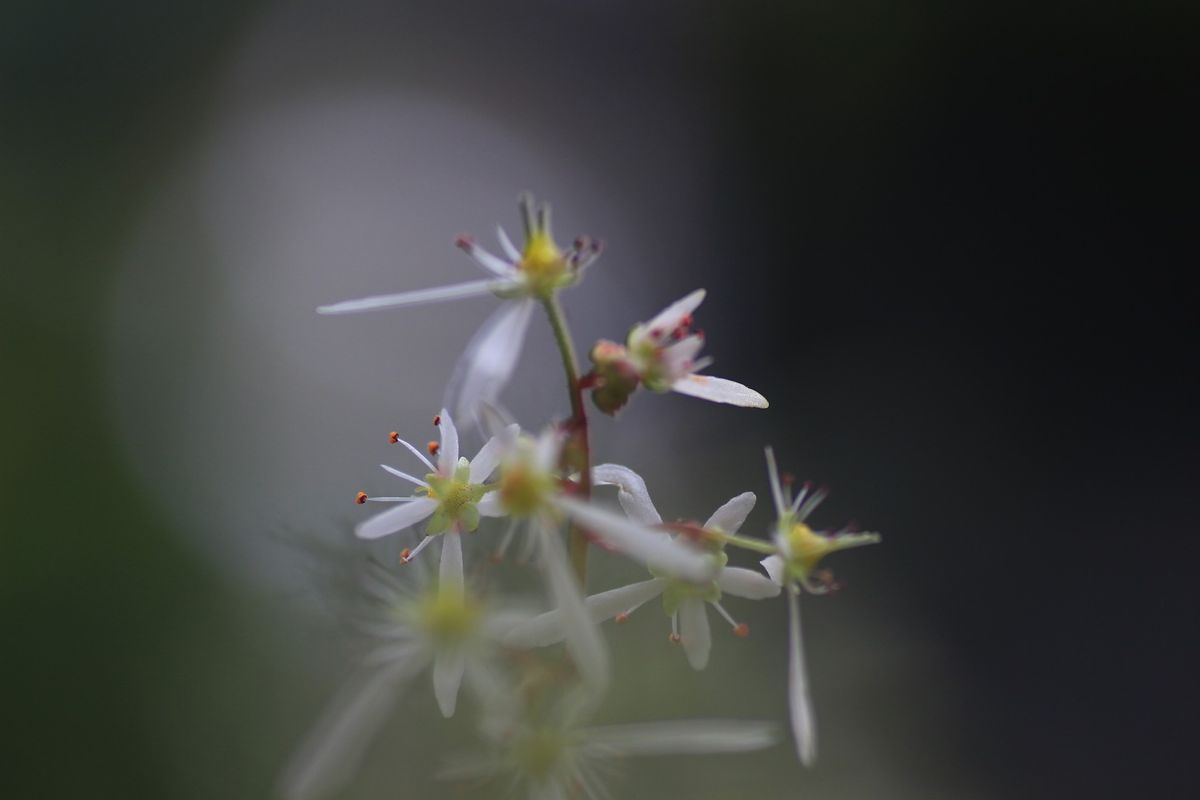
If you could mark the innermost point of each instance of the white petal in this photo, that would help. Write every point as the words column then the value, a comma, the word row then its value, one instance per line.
column 632, row 492
column 448, row 451
column 331, row 753
column 650, row 547
column 729, row 517
column 488, row 458
column 448, row 667
column 506, row 244
column 774, row 567
column 584, row 642
column 490, row 357
column 549, row 448
column 436, row 294
column 746, row 583
column 679, row 359
column 450, row 573
column 670, row 317
column 799, row 703
column 694, row 633
column 491, row 263
column 684, row 737
column 781, row 506
column 396, row 519
column 490, row 506
column 719, row 390
column 546, row 629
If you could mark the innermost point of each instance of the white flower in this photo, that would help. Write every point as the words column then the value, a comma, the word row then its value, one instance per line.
column 450, row 496
column 432, row 625
column 800, row 550
column 522, row 278
column 683, row 600
column 561, row 759
column 663, row 354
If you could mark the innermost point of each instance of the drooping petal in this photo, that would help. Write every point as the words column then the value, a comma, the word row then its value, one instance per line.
column 488, row 457
column 331, row 753
column 730, row 517
column 719, row 390
column 746, row 583
column 631, row 492
column 799, row 702
column 650, row 547
column 396, row 519
column 694, row 633
column 775, row 567
column 683, row 737
column 490, row 358
column 448, row 452
column 584, row 642
column 548, row 628
column 448, row 668
column 436, row 294
column 450, row 573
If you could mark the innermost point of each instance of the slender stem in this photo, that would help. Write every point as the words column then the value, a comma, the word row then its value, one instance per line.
column 578, row 450
column 757, row 545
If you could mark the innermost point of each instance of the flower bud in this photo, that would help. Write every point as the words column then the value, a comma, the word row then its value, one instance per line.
column 615, row 377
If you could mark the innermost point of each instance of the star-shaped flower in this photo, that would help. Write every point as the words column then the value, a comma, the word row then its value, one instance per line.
column 522, row 278
column 663, row 354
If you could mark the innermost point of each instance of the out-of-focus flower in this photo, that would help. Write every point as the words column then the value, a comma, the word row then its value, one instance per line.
column 561, row 758
column 683, row 600
column 416, row 624
column 800, row 548
column 522, row 277
column 450, row 496
column 663, row 354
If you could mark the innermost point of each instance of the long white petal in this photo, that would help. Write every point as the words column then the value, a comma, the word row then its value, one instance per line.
column 775, row 568
column 495, row 265
column 490, row 506
column 583, row 639
column 490, row 358
column 650, row 547
column 450, row 572
column 332, row 751
column 746, row 583
column 631, row 492
column 670, row 317
column 799, row 702
column 448, row 667
column 730, row 517
column 448, row 451
column 488, row 458
column 694, row 633
column 719, row 390
column 548, row 628
column 436, row 294
column 684, row 737
column 395, row 519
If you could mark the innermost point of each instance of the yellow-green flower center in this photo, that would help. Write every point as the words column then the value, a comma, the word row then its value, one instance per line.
column 448, row 616
column 538, row 752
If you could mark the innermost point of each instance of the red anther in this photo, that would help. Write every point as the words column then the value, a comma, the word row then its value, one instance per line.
column 393, row 437
column 741, row 630
column 437, row 419
column 433, row 448
column 464, row 241
column 808, row 486
column 621, row 618
column 404, row 555
column 656, row 333
column 597, row 245
column 581, row 242
column 686, row 322
column 360, row 498
column 673, row 638
column 788, row 479
column 700, row 332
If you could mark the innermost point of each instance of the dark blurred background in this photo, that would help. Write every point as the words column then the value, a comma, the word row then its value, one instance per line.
column 947, row 240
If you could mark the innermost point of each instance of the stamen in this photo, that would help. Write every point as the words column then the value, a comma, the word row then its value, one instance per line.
column 437, row 419
column 416, row 551
column 732, row 622
column 405, row 476
column 741, row 630
column 674, row 637
column 405, row 554
column 360, row 498
column 621, row 618
column 415, row 452
column 464, row 241
column 393, row 437
column 498, row 556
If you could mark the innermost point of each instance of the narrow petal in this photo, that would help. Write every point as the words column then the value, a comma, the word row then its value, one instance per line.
column 448, row 452
column 491, row 263
column 746, row 583
column 490, row 506
column 775, row 568
column 548, row 628
column 683, row 737
column 650, row 547
column 584, row 642
column 488, row 458
column 490, row 358
column 332, row 751
column 419, row 297
column 670, row 317
column 631, row 492
column 694, row 633
column 799, row 703
column 781, row 505
column 730, row 517
column 450, row 573
column 396, row 519
column 506, row 244
column 448, row 668
column 719, row 390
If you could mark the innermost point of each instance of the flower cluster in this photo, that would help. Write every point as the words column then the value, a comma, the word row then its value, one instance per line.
column 533, row 703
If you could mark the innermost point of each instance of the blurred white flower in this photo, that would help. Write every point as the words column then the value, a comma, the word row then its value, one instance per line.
column 683, row 600
column 522, row 277
column 800, row 549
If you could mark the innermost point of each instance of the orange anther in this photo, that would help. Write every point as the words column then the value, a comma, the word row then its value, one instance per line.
column 433, row 448
column 393, row 437
column 404, row 554
column 622, row 617
column 741, row 630
column 673, row 638
column 360, row 498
